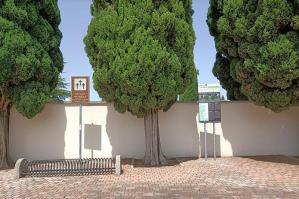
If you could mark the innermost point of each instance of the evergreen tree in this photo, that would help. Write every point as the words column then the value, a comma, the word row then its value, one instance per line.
column 61, row 92
column 142, row 56
column 191, row 93
column 30, row 60
column 257, row 44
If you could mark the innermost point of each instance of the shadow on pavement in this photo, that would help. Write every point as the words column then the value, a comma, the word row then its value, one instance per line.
column 138, row 163
column 275, row 159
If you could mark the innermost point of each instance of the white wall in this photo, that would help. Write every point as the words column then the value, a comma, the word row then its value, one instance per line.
column 245, row 130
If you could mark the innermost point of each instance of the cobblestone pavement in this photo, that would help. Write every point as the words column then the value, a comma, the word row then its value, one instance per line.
column 257, row 177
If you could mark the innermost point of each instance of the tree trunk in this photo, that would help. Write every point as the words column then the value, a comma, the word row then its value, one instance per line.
column 153, row 151
column 4, row 138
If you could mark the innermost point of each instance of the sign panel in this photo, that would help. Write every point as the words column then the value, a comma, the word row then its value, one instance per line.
column 203, row 112
column 80, row 89
column 80, row 84
column 209, row 95
column 214, row 112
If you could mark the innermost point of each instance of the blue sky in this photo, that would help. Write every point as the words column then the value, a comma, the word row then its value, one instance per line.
column 75, row 18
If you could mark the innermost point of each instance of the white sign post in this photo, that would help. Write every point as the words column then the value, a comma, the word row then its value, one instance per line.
column 209, row 95
column 80, row 94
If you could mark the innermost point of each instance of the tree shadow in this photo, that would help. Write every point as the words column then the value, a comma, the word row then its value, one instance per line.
column 126, row 134
column 178, row 132
column 139, row 163
column 275, row 159
column 253, row 130
column 41, row 137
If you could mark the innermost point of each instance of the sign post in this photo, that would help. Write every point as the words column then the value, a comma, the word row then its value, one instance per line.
column 80, row 130
column 214, row 141
column 205, row 132
column 80, row 94
column 209, row 110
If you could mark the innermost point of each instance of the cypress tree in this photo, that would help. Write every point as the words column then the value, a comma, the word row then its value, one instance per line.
column 257, row 44
column 30, row 60
column 142, row 56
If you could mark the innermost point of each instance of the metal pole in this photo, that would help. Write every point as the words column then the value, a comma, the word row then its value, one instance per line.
column 205, row 129
column 80, row 131
column 214, row 136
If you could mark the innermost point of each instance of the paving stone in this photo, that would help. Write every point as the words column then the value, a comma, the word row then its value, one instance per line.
column 251, row 177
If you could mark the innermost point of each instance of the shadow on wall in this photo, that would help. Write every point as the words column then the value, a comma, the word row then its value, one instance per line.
column 253, row 130
column 210, row 144
column 46, row 131
column 92, row 137
column 178, row 132
column 126, row 134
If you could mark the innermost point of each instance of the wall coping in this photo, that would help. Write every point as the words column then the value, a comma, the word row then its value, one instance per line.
column 103, row 103
column 92, row 103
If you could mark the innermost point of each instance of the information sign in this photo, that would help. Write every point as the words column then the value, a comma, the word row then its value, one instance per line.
column 80, row 89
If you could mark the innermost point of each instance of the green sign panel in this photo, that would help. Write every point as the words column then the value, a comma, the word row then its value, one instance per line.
column 209, row 102
column 203, row 112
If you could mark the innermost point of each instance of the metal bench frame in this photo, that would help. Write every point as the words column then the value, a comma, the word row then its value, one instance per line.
column 24, row 167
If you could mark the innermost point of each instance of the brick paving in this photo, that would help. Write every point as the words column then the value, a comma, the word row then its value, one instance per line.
column 256, row 177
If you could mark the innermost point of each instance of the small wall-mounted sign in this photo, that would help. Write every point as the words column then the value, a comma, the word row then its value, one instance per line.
column 80, row 89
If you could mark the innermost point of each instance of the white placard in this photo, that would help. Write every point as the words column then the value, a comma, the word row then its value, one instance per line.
column 80, row 84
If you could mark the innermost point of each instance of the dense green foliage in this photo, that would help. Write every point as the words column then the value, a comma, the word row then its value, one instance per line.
column 191, row 93
column 258, row 50
column 141, row 52
column 61, row 92
column 30, row 58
